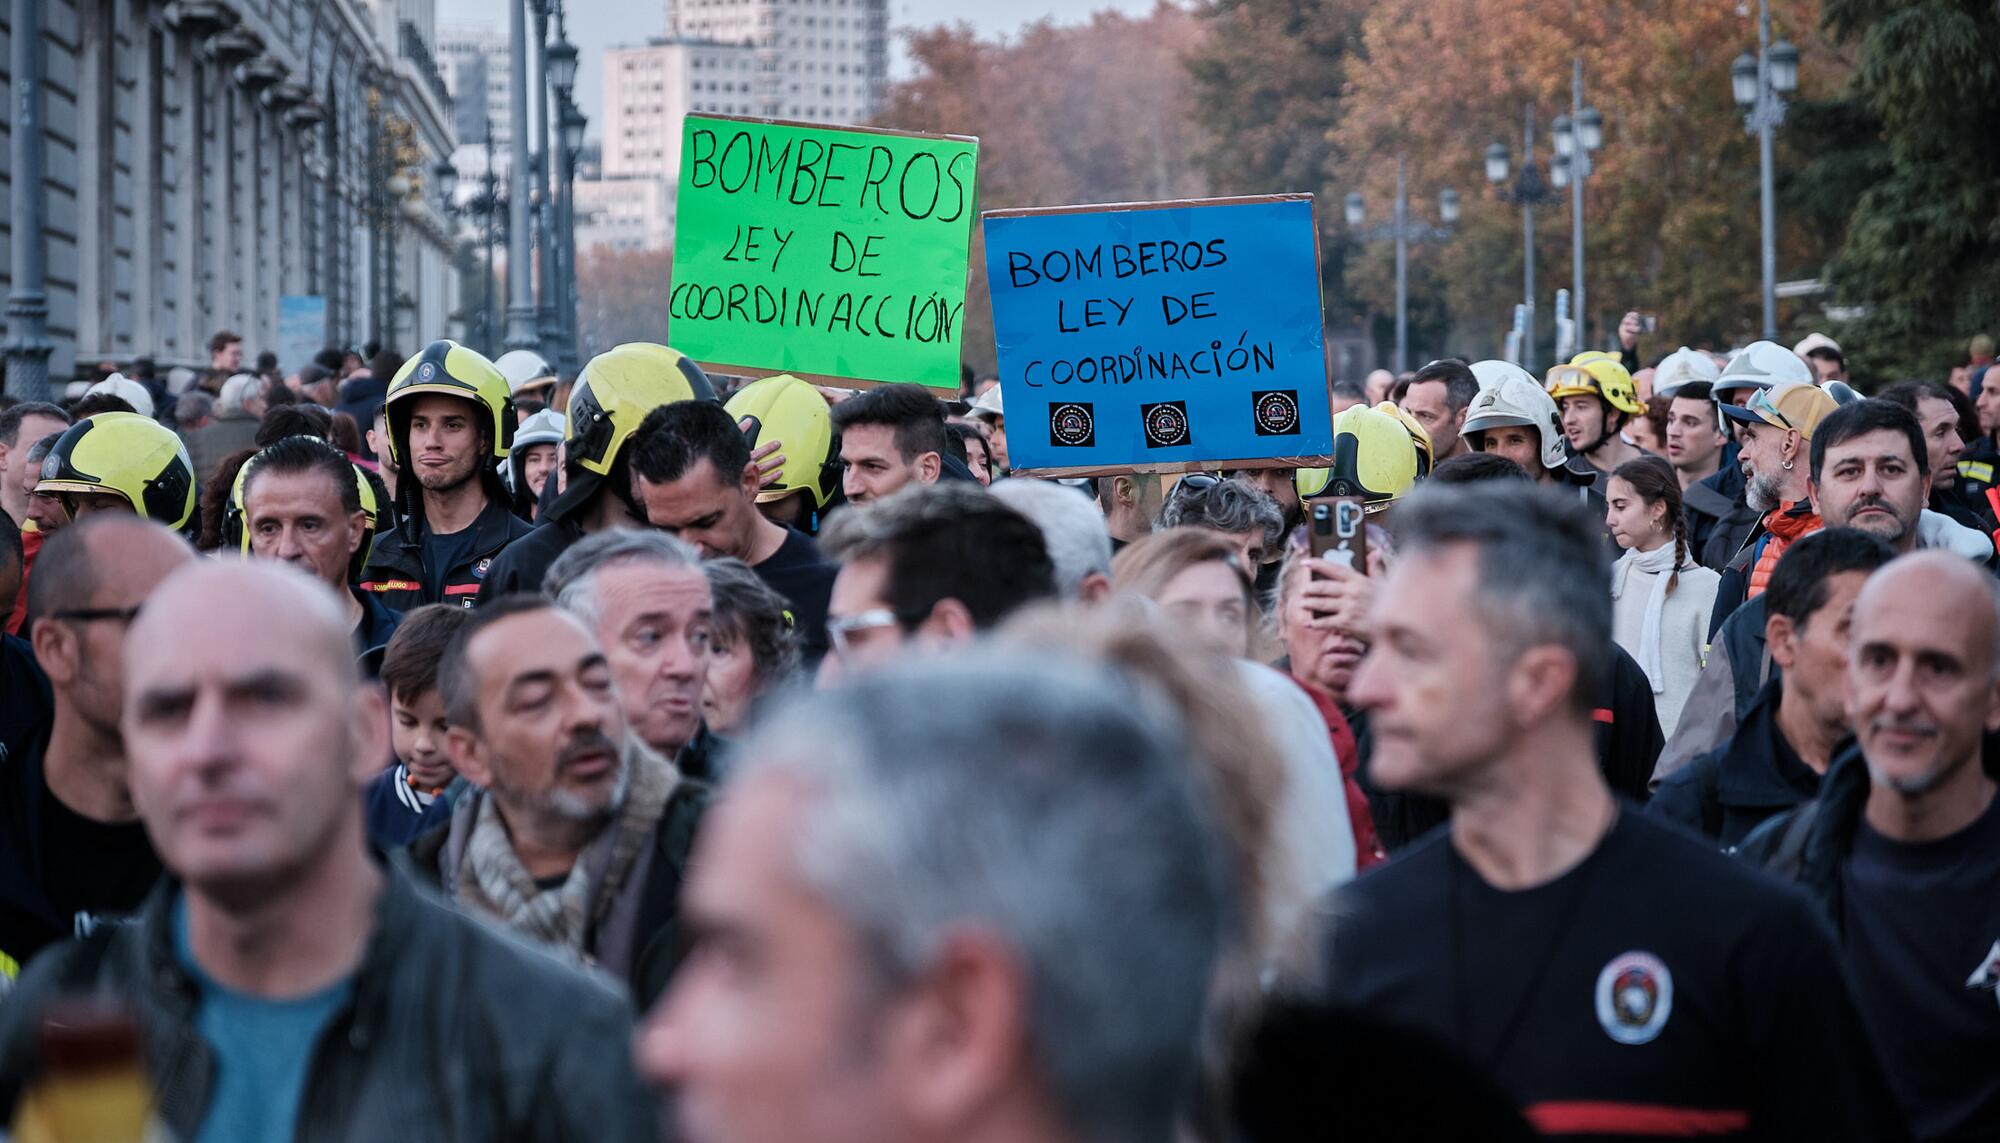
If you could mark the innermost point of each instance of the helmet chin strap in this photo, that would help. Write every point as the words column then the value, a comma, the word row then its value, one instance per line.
column 1609, row 434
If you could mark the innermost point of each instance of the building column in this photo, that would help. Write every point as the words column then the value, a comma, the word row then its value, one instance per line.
column 27, row 346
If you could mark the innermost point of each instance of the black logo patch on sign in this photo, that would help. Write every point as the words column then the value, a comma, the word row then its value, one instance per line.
column 1072, row 424
column 1276, row 412
column 1166, row 424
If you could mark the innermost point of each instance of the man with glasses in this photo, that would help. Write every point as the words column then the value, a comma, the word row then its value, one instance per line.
column 932, row 565
column 72, row 850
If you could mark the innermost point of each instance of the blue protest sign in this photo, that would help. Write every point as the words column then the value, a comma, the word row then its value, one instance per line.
column 1160, row 336
column 301, row 330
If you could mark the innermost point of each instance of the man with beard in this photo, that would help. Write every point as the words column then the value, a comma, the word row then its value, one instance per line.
column 577, row 834
column 1719, row 520
column 1775, row 429
column 450, row 416
column 1869, row 471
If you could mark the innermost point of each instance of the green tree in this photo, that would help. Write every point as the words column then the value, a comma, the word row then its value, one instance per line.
column 1922, row 251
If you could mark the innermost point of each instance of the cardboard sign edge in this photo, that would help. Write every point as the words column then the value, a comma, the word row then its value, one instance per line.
column 767, row 122
column 1162, row 204
column 1175, row 468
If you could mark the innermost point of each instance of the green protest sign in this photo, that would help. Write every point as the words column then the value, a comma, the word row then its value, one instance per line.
column 834, row 252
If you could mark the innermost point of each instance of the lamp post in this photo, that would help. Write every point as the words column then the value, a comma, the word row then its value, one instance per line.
column 545, row 132
column 573, row 122
column 1760, row 84
column 561, row 62
column 487, row 205
column 1529, row 191
column 1578, row 135
column 1402, row 232
column 520, row 286
column 28, row 346
column 447, row 184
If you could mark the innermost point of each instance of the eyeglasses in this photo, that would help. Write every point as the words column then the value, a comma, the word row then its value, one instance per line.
column 1761, row 404
column 840, row 631
column 91, row 614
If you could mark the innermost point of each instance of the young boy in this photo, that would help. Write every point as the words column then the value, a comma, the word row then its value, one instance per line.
column 410, row 797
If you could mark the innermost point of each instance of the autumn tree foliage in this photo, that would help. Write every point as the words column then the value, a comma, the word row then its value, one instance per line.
column 1671, row 209
column 1098, row 112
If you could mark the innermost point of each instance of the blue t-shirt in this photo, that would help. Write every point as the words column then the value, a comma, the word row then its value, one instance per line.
column 262, row 1048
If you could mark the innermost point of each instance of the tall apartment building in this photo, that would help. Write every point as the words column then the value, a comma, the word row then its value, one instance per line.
column 475, row 65
column 818, row 61
column 821, row 61
column 648, row 90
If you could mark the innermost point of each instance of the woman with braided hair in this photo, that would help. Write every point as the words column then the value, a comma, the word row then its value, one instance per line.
column 1660, row 595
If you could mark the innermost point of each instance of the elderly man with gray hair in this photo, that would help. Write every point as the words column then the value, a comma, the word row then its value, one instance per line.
column 919, row 922
column 1079, row 543
column 644, row 595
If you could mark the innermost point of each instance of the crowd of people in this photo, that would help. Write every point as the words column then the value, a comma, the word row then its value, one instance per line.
column 434, row 747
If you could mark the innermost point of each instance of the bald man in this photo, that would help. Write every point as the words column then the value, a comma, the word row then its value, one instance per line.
column 72, row 851
column 283, row 976
column 1902, row 847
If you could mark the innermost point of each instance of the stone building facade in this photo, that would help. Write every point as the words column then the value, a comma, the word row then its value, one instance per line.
column 205, row 158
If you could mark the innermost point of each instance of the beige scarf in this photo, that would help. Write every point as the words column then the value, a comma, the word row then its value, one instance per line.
column 491, row 878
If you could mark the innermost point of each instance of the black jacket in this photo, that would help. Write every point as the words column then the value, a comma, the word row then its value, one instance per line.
column 1731, row 790
column 378, row 625
column 1979, row 467
column 395, row 571
column 1808, row 845
column 1963, row 504
column 1718, row 518
column 523, row 564
column 360, row 395
column 26, row 702
column 452, row 1031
